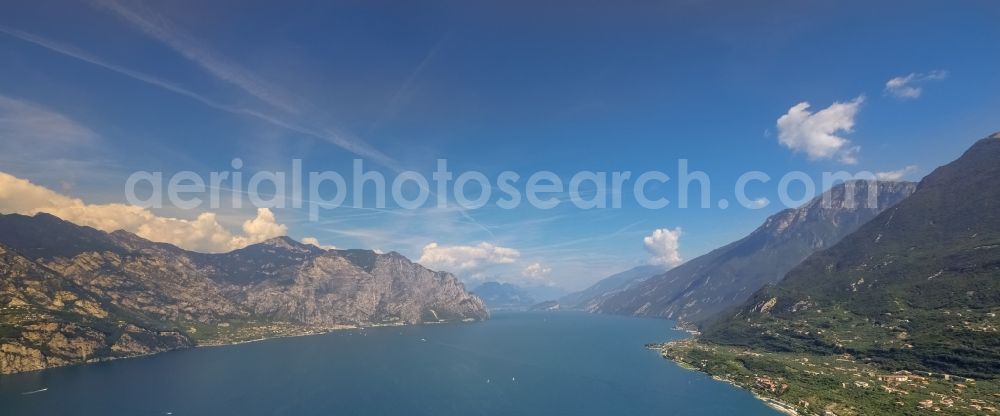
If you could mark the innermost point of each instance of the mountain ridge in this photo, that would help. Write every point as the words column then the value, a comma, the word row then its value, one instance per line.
column 276, row 287
column 725, row 277
column 587, row 298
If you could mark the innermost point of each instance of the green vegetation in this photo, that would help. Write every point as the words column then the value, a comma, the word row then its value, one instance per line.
column 237, row 330
column 916, row 288
column 899, row 317
column 843, row 385
column 960, row 341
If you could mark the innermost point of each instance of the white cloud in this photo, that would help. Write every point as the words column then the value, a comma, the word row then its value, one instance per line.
column 818, row 134
column 908, row 87
column 204, row 233
column 758, row 203
column 895, row 175
column 664, row 244
column 314, row 241
column 459, row 258
column 260, row 228
column 536, row 271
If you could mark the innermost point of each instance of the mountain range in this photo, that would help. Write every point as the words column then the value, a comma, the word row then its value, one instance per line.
column 916, row 288
column 71, row 294
column 588, row 298
column 726, row 277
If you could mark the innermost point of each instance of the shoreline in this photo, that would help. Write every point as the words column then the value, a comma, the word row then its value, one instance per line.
column 809, row 383
column 772, row 402
column 249, row 341
column 325, row 331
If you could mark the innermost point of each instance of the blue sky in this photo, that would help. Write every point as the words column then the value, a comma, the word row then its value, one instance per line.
column 490, row 86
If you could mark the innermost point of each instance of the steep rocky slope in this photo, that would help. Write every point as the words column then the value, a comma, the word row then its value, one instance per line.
column 115, row 294
column 47, row 321
column 727, row 276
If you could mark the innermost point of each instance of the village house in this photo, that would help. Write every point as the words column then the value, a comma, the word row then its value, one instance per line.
column 901, row 377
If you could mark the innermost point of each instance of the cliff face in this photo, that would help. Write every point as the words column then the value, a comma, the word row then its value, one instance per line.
column 86, row 295
column 725, row 277
column 356, row 287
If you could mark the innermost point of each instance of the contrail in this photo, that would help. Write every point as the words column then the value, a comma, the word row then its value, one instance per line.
column 161, row 29
column 338, row 139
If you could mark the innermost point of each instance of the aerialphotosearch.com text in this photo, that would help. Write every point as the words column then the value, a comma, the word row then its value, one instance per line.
column 326, row 190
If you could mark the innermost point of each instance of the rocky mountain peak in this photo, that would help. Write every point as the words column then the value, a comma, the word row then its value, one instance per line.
column 286, row 243
column 845, row 198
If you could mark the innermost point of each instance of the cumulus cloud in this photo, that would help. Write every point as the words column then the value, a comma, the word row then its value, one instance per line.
column 536, row 271
column 819, row 134
column 203, row 233
column 460, row 258
column 895, row 175
column 314, row 241
column 663, row 244
column 260, row 228
column 909, row 87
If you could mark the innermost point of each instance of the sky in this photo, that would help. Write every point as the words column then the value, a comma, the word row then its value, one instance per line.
column 93, row 92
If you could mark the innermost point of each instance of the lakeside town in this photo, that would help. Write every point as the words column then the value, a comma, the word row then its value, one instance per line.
column 841, row 385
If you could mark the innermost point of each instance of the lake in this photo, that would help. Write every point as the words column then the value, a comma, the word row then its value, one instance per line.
column 517, row 363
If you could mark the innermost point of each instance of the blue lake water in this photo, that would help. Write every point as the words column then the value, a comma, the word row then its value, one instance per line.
column 515, row 364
